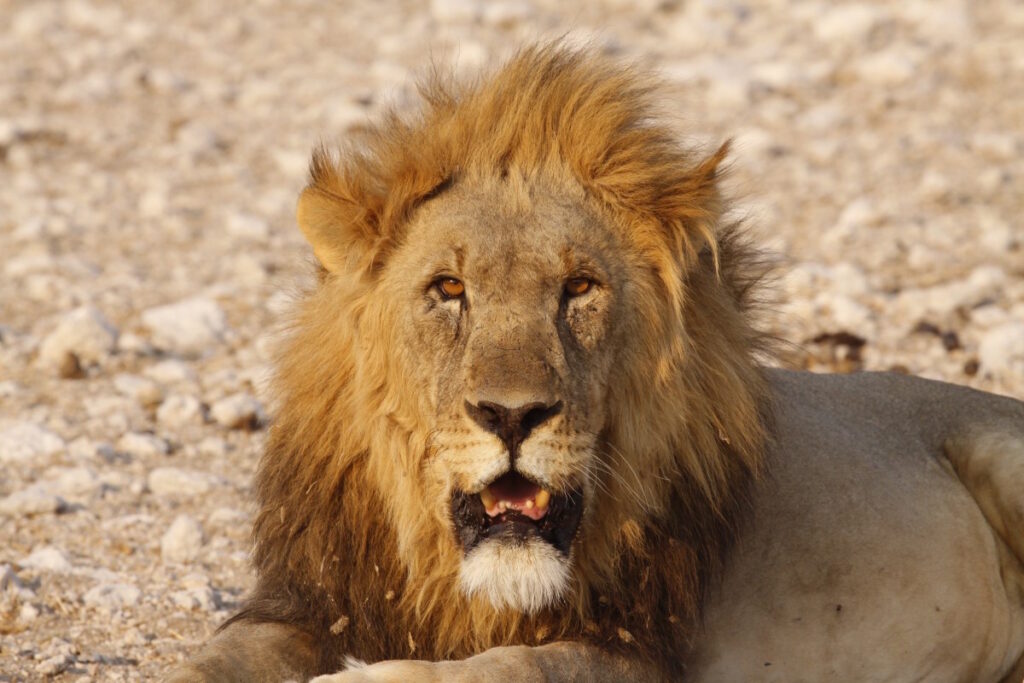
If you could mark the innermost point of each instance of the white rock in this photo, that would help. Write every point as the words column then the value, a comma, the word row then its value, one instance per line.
column 142, row 389
column 213, row 447
column 182, row 540
column 142, row 445
column 227, row 517
column 22, row 441
column 28, row 613
column 189, row 327
column 237, row 411
column 83, row 332
column 48, row 558
column 849, row 315
column 1001, row 350
column 171, row 371
column 247, row 226
column 885, row 68
column 9, row 388
column 506, row 12
column 196, row 594
column 178, row 482
column 51, row 666
column 129, row 342
column 179, row 410
column 996, row 234
column 31, row 501
column 846, row 22
column 112, row 596
column 455, row 10
column 72, row 481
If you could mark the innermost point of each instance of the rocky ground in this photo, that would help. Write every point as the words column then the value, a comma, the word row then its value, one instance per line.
column 150, row 157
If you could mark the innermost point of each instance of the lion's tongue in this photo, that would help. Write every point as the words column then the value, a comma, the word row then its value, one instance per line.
column 514, row 492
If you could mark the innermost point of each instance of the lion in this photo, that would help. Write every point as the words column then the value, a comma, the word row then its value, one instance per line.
column 525, row 430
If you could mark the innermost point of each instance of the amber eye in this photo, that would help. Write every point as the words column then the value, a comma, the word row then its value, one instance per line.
column 450, row 288
column 578, row 286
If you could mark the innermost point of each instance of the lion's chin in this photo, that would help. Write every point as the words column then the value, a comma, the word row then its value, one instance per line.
column 524, row 576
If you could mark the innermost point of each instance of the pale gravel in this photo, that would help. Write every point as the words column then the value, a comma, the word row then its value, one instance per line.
column 151, row 154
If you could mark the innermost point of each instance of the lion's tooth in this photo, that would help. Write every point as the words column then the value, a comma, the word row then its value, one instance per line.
column 529, row 504
column 487, row 498
column 505, row 505
column 542, row 499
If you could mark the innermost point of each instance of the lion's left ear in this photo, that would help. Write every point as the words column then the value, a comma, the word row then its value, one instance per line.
column 339, row 217
column 695, row 205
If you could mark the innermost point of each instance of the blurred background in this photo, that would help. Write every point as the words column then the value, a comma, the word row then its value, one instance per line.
column 150, row 158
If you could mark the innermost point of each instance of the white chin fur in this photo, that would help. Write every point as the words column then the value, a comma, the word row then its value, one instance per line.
column 520, row 576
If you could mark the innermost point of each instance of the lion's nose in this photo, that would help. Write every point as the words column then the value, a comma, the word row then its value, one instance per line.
column 512, row 425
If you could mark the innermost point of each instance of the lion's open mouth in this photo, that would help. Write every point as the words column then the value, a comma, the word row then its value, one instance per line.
column 513, row 507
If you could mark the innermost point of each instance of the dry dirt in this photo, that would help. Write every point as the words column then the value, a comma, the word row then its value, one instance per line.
column 150, row 157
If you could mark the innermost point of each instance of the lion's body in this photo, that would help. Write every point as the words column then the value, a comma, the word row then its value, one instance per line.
column 522, row 427
column 869, row 559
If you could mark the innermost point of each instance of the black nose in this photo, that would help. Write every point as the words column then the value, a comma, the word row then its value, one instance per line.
column 512, row 425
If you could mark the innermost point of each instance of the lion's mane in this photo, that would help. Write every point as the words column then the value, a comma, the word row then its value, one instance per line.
column 342, row 543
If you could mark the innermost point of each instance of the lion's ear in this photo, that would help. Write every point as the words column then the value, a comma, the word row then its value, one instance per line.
column 695, row 206
column 337, row 216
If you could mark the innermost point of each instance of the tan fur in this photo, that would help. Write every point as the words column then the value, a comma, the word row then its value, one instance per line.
column 555, row 163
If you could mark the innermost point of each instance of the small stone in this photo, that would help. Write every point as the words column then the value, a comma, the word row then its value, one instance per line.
column 228, row 517
column 73, row 481
column 70, row 367
column 11, row 583
column 179, row 410
column 142, row 445
column 214, row 447
column 129, row 342
column 174, row 481
column 339, row 626
column 846, row 22
column 28, row 613
column 53, row 665
column 1001, row 351
column 23, row 441
column 507, row 12
column 83, row 333
column 47, row 558
column 885, row 68
column 247, row 226
column 31, row 501
column 189, row 327
column 142, row 389
column 447, row 11
column 196, row 594
column 171, row 371
column 238, row 411
column 112, row 596
column 182, row 540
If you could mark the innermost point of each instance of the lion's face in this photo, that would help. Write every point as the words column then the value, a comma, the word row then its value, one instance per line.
column 514, row 303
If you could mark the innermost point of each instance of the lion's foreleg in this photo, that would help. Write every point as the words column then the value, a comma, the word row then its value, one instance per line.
column 255, row 652
column 990, row 462
column 545, row 664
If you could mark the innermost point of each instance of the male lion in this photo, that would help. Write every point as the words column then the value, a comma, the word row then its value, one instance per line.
column 522, row 433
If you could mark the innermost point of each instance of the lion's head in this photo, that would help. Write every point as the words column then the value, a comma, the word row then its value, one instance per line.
column 520, row 403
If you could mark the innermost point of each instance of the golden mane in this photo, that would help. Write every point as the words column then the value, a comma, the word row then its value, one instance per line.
column 343, row 545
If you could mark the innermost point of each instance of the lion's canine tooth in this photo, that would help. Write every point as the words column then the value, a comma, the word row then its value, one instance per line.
column 542, row 499
column 487, row 498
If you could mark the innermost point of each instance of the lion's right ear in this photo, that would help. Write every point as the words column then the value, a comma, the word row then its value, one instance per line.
column 338, row 216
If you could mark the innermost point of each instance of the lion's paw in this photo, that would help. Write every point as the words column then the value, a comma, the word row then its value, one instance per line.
column 392, row 671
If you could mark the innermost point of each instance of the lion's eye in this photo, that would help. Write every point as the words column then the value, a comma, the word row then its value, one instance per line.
column 450, row 288
column 578, row 286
